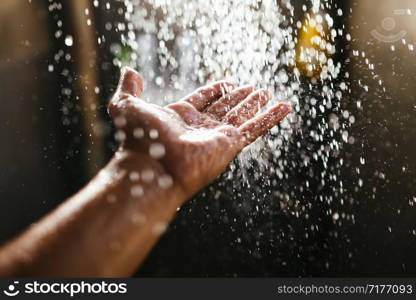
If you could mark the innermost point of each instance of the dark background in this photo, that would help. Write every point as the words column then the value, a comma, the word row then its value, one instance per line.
column 49, row 151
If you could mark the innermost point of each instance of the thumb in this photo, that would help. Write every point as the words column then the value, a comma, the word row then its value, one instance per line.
column 130, row 82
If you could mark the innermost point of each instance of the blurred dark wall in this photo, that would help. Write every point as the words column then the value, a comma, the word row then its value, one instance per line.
column 31, row 176
column 45, row 155
column 382, row 242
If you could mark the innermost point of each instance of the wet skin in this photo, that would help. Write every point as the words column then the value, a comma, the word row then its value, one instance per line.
column 166, row 155
column 199, row 134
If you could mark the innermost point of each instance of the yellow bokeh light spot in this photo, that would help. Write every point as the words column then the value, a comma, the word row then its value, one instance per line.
column 313, row 48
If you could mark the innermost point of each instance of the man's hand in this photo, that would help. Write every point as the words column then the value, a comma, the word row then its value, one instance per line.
column 166, row 155
column 195, row 138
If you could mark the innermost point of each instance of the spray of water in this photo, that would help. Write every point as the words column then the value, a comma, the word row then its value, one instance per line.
column 178, row 45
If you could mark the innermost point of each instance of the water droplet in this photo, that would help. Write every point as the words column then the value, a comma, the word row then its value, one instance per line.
column 69, row 41
column 137, row 190
column 138, row 133
column 153, row 134
column 165, row 181
column 157, row 150
column 148, row 175
column 159, row 228
column 138, row 218
column 134, row 176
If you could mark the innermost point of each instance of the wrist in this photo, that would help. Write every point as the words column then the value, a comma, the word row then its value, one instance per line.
column 145, row 177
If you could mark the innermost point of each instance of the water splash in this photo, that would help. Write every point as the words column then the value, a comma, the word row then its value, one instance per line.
column 180, row 45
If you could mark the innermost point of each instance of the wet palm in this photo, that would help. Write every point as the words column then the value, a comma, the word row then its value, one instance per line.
column 195, row 138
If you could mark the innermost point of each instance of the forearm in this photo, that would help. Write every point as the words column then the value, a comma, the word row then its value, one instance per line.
column 107, row 229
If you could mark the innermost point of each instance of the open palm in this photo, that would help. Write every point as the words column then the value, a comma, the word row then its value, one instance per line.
column 195, row 138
